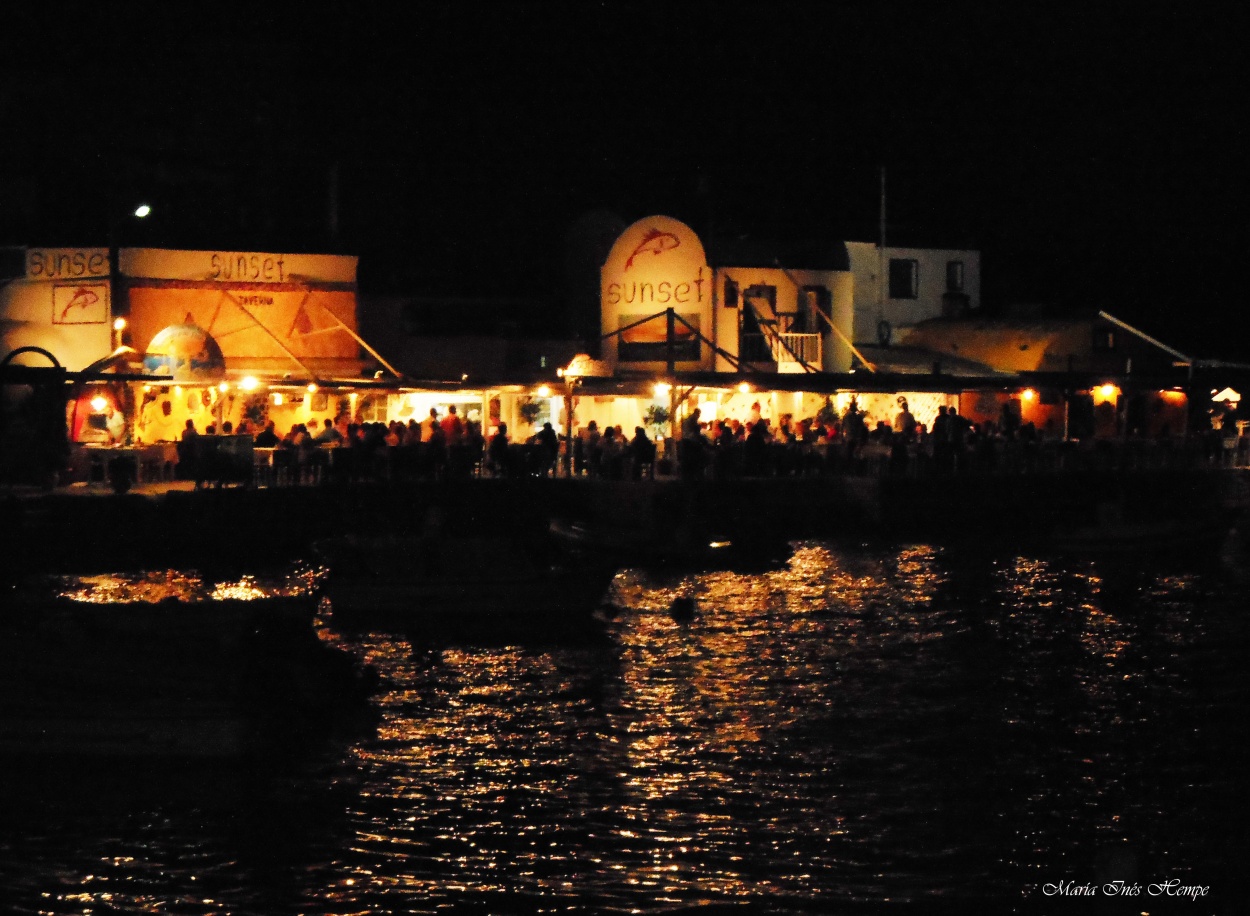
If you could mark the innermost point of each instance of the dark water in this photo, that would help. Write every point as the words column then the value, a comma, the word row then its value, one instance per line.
column 867, row 730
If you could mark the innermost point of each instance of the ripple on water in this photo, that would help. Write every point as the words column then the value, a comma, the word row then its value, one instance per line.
column 868, row 723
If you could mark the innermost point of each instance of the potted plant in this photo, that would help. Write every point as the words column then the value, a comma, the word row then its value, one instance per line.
column 530, row 410
column 827, row 415
column 655, row 417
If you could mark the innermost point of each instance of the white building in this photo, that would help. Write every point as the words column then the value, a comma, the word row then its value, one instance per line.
column 664, row 306
column 789, row 317
column 897, row 288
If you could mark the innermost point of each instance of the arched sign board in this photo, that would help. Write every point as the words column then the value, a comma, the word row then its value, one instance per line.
column 655, row 265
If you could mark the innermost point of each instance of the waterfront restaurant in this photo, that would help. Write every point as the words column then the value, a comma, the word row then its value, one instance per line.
column 743, row 334
column 238, row 336
column 203, row 336
column 210, row 337
column 253, row 336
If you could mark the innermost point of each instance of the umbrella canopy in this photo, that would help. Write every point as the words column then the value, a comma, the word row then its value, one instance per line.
column 185, row 353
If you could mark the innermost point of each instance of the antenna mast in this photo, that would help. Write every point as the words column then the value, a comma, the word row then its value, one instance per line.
column 881, row 255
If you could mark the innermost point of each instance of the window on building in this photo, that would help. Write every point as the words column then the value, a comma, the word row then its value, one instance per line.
column 1104, row 339
column 762, row 295
column 904, row 278
column 731, row 294
column 761, row 299
column 814, row 301
column 954, row 276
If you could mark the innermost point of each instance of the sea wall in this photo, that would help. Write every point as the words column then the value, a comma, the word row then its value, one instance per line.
column 250, row 527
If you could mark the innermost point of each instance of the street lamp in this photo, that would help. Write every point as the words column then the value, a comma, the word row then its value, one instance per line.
column 141, row 211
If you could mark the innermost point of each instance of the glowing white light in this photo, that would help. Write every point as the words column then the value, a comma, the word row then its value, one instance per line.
column 142, row 210
column 249, row 383
column 98, row 404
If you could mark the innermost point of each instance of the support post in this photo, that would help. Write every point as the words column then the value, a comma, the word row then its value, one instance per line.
column 670, row 340
column 569, row 400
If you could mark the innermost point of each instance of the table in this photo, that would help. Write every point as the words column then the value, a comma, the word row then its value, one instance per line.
column 263, row 465
column 149, row 462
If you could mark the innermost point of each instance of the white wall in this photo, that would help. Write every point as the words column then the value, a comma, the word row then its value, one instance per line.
column 835, row 355
column 870, row 287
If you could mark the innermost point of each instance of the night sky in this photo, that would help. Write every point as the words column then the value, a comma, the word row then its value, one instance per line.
column 1095, row 158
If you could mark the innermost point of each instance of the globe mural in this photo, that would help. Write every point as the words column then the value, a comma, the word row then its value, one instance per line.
column 185, row 353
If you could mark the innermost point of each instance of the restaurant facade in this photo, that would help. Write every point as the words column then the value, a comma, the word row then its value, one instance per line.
column 690, row 326
column 166, row 337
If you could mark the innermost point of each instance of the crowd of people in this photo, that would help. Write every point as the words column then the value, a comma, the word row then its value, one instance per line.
column 448, row 446
column 608, row 453
column 435, row 447
column 851, row 442
column 827, row 443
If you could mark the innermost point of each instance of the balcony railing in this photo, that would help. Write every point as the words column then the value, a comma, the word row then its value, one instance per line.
column 788, row 351
column 797, row 348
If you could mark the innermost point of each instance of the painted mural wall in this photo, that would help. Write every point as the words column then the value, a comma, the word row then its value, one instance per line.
column 271, row 313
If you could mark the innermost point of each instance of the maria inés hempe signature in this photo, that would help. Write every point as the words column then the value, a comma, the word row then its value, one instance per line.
column 1169, row 888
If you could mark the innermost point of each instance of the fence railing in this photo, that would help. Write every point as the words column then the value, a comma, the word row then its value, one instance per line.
column 780, row 348
column 805, row 348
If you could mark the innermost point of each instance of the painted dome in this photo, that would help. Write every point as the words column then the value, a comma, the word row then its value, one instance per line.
column 185, row 353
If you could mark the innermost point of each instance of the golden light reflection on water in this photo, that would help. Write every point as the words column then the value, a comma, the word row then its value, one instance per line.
column 805, row 718
column 697, row 702
column 245, row 589
column 864, row 723
column 155, row 586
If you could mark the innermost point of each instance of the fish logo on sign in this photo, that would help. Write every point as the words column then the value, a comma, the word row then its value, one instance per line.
column 655, row 242
column 82, row 299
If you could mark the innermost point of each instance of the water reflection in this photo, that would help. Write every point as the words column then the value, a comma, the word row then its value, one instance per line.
column 866, row 724
column 154, row 586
